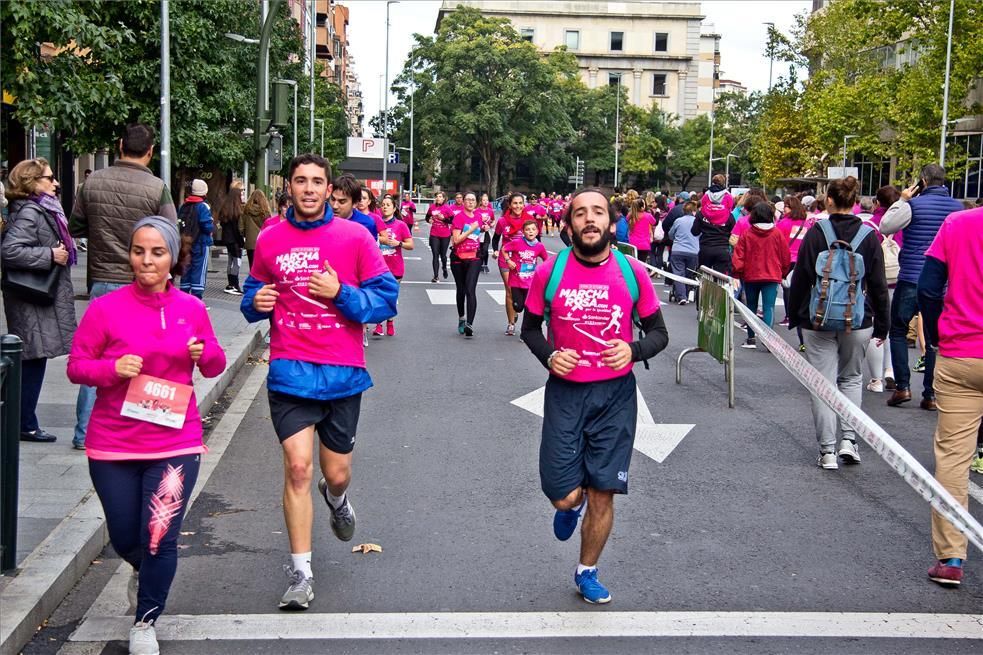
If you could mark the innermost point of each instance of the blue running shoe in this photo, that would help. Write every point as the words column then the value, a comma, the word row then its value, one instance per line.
column 565, row 521
column 592, row 590
column 460, row 325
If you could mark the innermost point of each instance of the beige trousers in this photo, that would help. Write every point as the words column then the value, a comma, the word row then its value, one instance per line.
column 959, row 393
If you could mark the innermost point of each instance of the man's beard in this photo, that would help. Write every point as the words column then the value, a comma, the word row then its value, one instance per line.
column 589, row 250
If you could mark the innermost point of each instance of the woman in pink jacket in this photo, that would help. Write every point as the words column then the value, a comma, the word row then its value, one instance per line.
column 139, row 347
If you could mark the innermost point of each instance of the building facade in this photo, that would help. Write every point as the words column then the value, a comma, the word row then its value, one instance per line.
column 331, row 50
column 660, row 51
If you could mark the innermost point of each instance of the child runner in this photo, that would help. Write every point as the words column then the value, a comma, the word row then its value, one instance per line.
column 521, row 255
column 394, row 238
column 509, row 227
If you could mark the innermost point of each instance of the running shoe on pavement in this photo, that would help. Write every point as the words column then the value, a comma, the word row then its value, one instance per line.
column 565, row 521
column 948, row 573
column 919, row 365
column 875, row 386
column 342, row 518
column 143, row 639
column 977, row 464
column 510, row 330
column 848, row 452
column 390, row 328
column 460, row 325
column 378, row 330
column 468, row 330
column 828, row 461
column 749, row 343
column 300, row 593
column 589, row 587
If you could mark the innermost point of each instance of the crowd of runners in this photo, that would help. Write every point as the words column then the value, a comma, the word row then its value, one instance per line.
column 326, row 268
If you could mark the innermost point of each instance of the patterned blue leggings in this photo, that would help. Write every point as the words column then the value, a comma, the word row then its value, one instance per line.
column 145, row 501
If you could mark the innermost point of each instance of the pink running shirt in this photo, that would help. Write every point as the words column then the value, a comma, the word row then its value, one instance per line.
column 468, row 249
column 524, row 255
column 394, row 229
column 641, row 235
column 592, row 305
column 442, row 216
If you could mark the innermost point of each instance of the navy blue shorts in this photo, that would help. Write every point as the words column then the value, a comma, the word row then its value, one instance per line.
column 588, row 435
column 335, row 421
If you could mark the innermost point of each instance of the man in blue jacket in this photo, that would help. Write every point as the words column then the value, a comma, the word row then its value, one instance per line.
column 919, row 216
column 195, row 221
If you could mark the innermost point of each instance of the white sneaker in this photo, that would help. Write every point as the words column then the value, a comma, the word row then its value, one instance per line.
column 131, row 589
column 876, row 386
column 828, row 461
column 143, row 639
column 848, row 451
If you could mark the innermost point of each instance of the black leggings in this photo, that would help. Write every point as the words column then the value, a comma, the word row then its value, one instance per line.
column 466, row 272
column 439, row 246
column 144, row 502
column 485, row 247
column 519, row 299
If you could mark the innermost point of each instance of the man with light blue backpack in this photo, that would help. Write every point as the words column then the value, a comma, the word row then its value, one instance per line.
column 839, row 296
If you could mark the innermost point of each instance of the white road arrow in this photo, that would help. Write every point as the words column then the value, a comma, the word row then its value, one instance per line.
column 655, row 440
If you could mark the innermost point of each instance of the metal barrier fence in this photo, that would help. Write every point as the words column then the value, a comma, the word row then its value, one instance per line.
column 11, row 348
column 714, row 333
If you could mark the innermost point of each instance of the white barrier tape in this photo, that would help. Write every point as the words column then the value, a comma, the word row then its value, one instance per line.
column 916, row 475
column 667, row 274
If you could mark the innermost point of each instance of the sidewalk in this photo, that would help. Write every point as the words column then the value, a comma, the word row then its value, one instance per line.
column 60, row 526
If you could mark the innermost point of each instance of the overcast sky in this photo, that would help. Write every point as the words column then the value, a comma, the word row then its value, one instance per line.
column 739, row 23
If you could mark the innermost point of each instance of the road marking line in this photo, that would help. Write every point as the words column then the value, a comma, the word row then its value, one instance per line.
column 442, row 296
column 112, row 599
column 447, row 282
column 498, row 295
column 654, row 440
column 542, row 625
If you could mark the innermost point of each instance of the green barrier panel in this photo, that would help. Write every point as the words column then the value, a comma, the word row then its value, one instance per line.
column 714, row 319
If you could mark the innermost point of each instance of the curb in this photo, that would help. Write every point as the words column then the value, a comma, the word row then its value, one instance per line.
column 51, row 571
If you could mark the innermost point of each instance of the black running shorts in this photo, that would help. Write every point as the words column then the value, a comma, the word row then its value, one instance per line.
column 334, row 420
column 588, row 434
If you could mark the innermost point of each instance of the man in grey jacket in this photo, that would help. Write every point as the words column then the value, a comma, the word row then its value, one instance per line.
column 110, row 202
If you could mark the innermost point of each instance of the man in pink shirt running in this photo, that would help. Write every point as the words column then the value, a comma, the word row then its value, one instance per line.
column 590, row 404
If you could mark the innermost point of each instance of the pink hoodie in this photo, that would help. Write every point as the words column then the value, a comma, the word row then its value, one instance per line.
column 716, row 206
column 157, row 327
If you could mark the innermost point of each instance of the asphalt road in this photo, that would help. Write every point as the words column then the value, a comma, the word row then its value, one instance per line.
column 737, row 519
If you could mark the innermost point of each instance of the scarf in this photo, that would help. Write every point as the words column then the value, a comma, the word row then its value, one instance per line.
column 53, row 207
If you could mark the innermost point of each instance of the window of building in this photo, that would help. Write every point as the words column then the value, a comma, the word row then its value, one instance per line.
column 874, row 173
column 968, row 185
column 662, row 42
column 527, row 33
column 617, row 41
column 659, row 84
column 613, row 79
column 572, row 39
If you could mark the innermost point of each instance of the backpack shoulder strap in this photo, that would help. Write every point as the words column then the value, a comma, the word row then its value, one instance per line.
column 860, row 236
column 629, row 274
column 827, row 227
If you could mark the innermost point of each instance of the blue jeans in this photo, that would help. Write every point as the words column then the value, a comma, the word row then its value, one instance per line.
column 904, row 306
column 768, row 292
column 679, row 262
column 87, row 395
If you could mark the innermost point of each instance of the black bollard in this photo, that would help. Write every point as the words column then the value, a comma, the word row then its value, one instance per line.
column 11, row 348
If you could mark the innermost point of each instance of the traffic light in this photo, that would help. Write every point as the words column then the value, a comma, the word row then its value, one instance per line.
column 275, row 152
column 281, row 105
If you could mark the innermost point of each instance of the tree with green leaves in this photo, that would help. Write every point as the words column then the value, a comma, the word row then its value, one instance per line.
column 481, row 88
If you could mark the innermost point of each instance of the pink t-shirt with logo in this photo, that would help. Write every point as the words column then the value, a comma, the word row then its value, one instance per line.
column 468, row 249
column 524, row 255
column 536, row 213
column 742, row 225
column 592, row 305
column 795, row 231
column 640, row 236
column 487, row 215
column 394, row 229
column 311, row 329
column 407, row 210
column 442, row 216
column 959, row 245
column 271, row 221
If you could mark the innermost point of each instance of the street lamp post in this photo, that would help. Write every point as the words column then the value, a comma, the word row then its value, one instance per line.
column 617, row 131
column 731, row 154
column 771, row 52
column 263, row 92
column 945, row 92
column 165, row 92
column 312, row 36
column 293, row 83
column 321, row 121
column 412, row 94
column 847, row 137
column 385, row 109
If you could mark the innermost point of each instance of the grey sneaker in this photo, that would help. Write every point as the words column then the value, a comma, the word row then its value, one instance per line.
column 828, row 461
column 848, row 451
column 300, row 593
column 131, row 589
column 143, row 639
column 342, row 518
